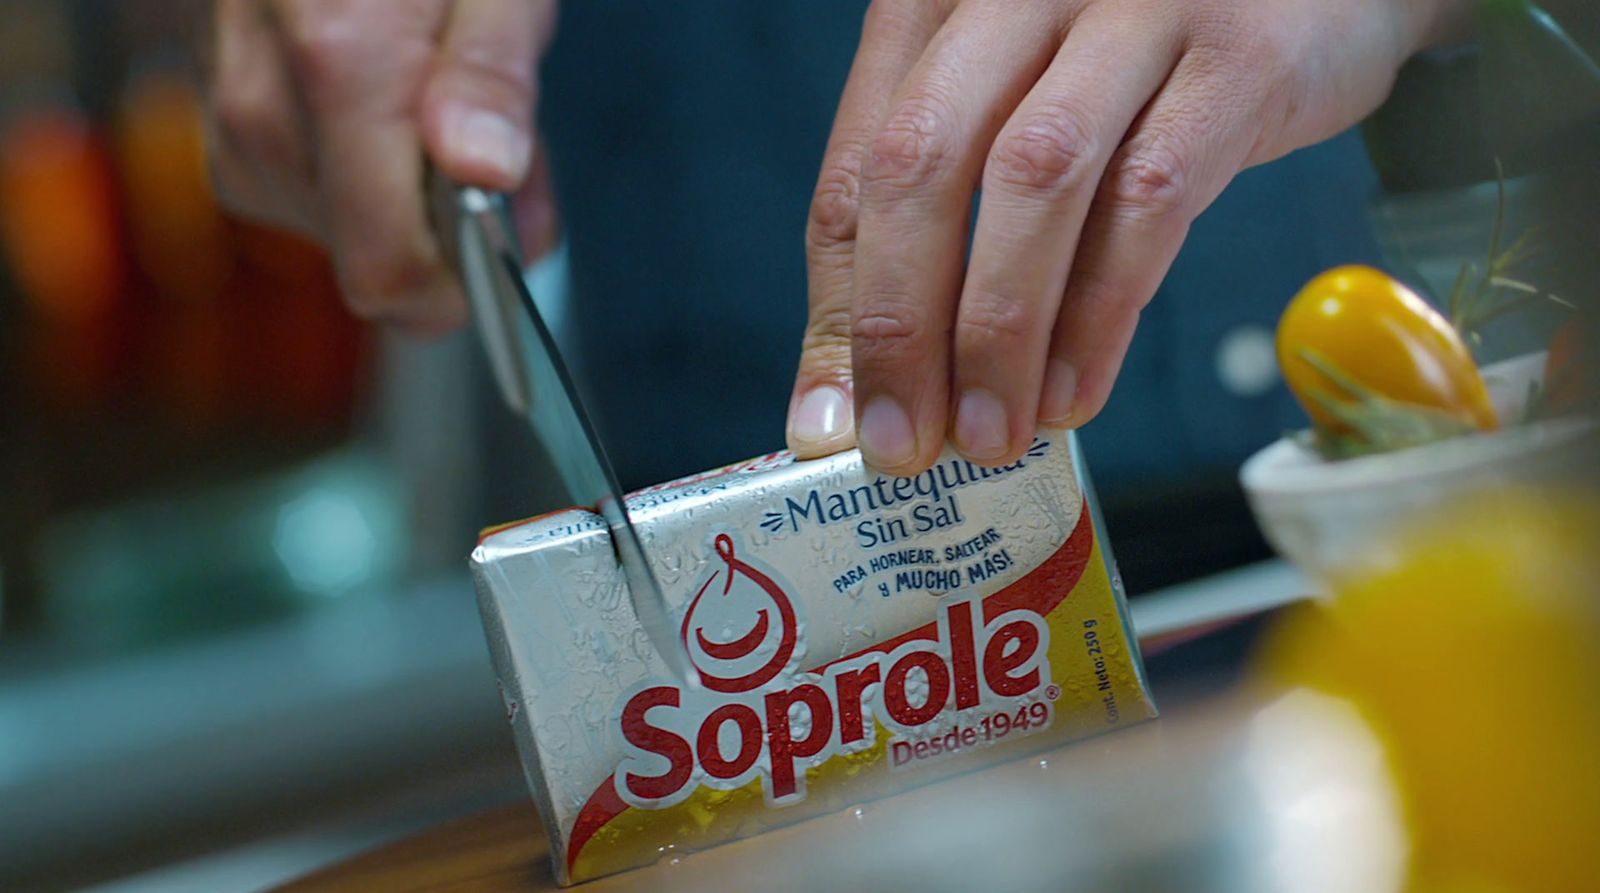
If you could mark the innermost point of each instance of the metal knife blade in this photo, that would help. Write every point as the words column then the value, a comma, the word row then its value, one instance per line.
column 536, row 384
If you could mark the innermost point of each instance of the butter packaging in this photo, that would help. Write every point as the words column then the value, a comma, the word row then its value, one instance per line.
column 855, row 634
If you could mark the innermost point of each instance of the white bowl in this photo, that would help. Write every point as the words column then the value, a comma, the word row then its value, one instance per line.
column 1331, row 518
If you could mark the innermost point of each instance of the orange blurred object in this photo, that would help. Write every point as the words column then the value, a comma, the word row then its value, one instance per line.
column 180, row 237
column 302, row 352
column 59, row 222
column 181, row 241
column 186, row 356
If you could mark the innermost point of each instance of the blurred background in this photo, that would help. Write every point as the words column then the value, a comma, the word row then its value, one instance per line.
column 234, row 612
column 235, row 520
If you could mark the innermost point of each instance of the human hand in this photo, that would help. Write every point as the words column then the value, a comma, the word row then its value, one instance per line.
column 1097, row 130
column 324, row 111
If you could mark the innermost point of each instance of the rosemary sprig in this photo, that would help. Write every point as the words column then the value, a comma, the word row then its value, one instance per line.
column 1378, row 424
column 1475, row 299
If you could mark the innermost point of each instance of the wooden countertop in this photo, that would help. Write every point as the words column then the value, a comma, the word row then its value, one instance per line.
column 498, row 851
column 505, row 850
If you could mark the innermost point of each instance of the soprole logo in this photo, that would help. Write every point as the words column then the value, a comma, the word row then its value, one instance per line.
column 758, row 715
column 735, row 664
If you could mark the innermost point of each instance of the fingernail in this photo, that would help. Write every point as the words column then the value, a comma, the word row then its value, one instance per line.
column 1060, row 390
column 981, row 430
column 477, row 136
column 822, row 414
column 886, row 436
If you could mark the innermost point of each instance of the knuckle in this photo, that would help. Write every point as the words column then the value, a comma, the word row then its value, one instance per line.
column 989, row 319
column 887, row 329
column 1227, row 41
column 913, row 150
column 1264, row 47
column 250, row 124
column 1151, row 181
column 829, row 335
column 377, row 284
column 503, row 75
column 1049, row 151
column 826, row 350
column 834, row 209
column 242, row 113
column 324, row 49
column 828, row 326
column 891, row 19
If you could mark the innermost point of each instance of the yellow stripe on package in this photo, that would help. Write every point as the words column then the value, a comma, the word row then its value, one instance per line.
column 855, row 634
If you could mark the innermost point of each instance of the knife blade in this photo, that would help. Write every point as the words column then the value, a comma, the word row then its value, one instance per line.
column 536, row 384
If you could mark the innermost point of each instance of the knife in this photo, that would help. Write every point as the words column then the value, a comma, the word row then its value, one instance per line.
column 479, row 233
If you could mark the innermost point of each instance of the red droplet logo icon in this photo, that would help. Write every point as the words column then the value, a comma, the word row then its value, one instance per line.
column 725, row 633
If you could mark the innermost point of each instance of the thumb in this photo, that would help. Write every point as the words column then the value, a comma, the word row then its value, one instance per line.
column 477, row 108
column 821, row 415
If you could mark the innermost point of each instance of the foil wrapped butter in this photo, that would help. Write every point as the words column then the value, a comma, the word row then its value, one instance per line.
column 855, row 634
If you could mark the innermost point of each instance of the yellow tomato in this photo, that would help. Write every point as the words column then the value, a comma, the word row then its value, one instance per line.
column 1386, row 339
column 1473, row 659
